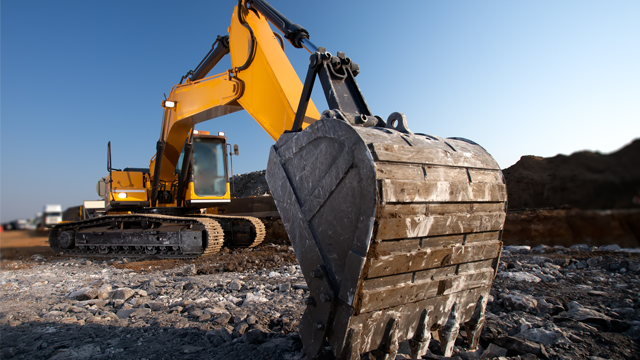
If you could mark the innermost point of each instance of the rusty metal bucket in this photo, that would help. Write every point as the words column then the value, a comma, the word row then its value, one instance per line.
column 397, row 235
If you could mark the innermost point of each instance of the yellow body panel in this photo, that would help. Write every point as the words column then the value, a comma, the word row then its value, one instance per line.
column 272, row 87
column 205, row 99
column 126, row 179
column 191, row 194
column 196, row 102
column 131, row 183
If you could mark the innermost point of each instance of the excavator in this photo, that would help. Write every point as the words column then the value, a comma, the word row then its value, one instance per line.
column 398, row 234
column 181, row 221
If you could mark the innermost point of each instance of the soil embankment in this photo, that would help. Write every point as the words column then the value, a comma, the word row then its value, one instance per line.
column 571, row 227
column 583, row 198
column 583, row 180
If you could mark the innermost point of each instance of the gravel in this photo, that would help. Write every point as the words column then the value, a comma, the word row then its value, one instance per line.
column 74, row 308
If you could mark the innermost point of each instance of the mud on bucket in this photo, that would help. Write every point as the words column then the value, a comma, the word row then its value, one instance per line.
column 397, row 234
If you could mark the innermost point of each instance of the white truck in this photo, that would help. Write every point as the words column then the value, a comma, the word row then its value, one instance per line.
column 51, row 215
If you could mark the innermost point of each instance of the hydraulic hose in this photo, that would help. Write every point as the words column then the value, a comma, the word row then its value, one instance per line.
column 253, row 38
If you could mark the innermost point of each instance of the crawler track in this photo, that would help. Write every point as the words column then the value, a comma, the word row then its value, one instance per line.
column 257, row 229
column 106, row 241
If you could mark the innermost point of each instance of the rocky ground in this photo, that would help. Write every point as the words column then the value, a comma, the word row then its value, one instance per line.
column 558, row 303
column 76, row 308
column 553, row 303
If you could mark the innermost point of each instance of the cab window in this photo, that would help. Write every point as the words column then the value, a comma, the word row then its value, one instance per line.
column 209, row 172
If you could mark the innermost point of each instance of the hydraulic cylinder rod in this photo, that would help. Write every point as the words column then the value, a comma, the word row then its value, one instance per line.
column 311, row 47
column 215, row 55
column 296, row 34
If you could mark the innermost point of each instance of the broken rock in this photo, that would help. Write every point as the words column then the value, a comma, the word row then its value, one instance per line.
column 542, row 336
column 240, row 329
column 156, row 305
column 589, row 316
column 251, row 298
column 125, row 313
column 122, row 294
column 235, row 285
column 86, row 293
column 493, row 351
column 519, row 301
column 521, row 346
column 221, row 319
column 188, row 270
column 103, row 291
column 520, row 276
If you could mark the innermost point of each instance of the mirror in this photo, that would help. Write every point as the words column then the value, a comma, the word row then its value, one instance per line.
column 109, row 168
column 235, row 150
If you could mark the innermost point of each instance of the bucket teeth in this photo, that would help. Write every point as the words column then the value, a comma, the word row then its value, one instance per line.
column 388, row 348
column 351, row 347
column 396, row 234
column 473, row 327
column 419, row 343
column 449, row 333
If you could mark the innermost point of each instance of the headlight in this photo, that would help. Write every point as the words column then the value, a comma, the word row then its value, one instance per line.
column 168, row 104
column 122, row 195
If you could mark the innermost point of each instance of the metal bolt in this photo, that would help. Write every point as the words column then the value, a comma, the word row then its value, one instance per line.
column 335, row 62
column 319, row 326
column 326, row 297
column 317, row 273
column 355, row 69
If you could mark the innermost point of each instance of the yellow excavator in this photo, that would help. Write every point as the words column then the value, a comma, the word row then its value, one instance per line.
column 398, row 234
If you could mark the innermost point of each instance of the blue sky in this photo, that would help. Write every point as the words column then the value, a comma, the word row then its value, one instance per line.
column 518, row 77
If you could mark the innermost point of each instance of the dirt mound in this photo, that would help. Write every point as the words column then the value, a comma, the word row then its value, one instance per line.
column 571, row 227
column 584, row 180
column 250, row 184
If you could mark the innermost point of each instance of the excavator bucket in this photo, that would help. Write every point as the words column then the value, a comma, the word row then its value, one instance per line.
column 398, row 235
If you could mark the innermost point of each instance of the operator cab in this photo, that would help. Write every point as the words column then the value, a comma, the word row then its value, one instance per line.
column 207, row 178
